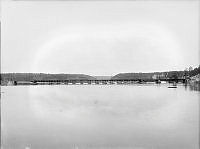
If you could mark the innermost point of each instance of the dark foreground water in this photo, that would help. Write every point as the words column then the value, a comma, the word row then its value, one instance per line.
column 99, row 117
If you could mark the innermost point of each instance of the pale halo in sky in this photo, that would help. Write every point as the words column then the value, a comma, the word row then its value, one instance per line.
column 90, row 38
column 112, row 49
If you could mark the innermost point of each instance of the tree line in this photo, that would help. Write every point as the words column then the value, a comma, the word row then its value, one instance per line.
column 188, row 72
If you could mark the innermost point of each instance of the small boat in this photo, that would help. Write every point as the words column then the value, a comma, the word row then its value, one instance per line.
column 172, row 86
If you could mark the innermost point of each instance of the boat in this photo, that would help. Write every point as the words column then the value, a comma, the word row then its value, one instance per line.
column 172, row 86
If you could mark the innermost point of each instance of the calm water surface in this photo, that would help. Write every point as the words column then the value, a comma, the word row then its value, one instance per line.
column 99, row 116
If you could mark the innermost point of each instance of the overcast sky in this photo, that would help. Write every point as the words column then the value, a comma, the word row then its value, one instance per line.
column 99, row 38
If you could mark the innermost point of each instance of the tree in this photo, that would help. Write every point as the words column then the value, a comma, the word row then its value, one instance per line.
column 190, row 68
column 186, row 73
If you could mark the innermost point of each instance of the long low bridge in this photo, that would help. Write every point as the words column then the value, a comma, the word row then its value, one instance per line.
column 119, row 81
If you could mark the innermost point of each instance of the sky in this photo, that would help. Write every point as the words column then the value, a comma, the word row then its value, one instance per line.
column 99, row 37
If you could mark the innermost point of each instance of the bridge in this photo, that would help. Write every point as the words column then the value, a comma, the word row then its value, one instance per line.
column 119, row 81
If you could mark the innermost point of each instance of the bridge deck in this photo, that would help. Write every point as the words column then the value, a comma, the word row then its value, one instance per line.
column 108, row 81
column 76, row 80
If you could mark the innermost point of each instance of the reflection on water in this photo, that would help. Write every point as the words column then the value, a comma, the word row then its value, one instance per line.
column 100, row 116
column 194, row 86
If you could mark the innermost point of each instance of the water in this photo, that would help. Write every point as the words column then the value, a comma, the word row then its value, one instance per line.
column 99, row 117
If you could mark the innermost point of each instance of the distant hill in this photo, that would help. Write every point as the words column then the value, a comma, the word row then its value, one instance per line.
column 5, row 77
column 149, row 76
column 156, row 75
column 132, row 76
column 43, row 76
